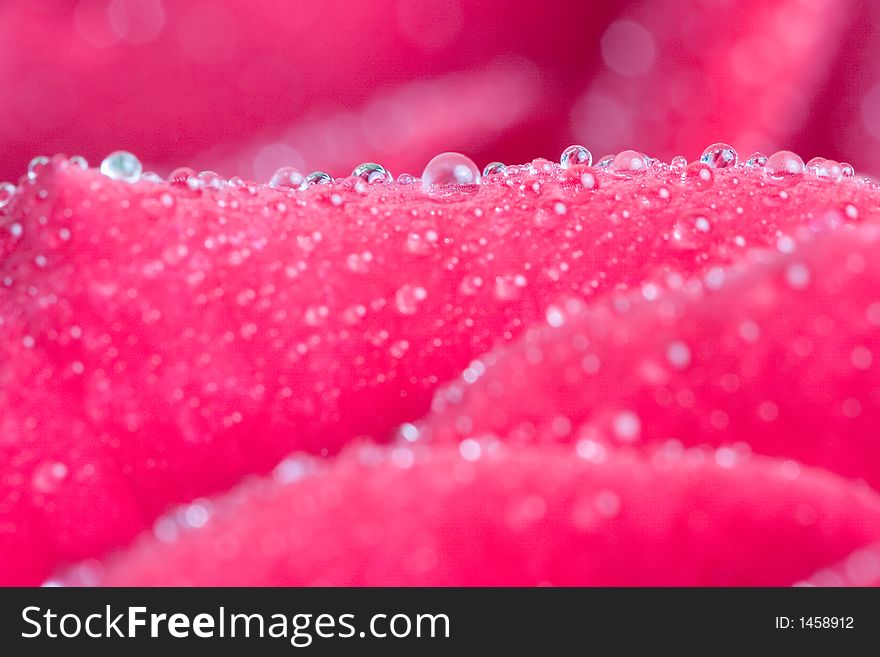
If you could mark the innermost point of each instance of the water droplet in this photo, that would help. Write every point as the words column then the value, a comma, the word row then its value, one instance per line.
column 541, row 165
column 7, row 191
column 555, row 316
column 406, row 179
column 122, row 165
column 152, row 176
column 626, row 426
column 847, row 170
column 632, row 161
column 575, row 155
column 678, row 354
column 687, row 232
column 450, row 169
column 370, row 173
column 212, row 179
column 36, row 165
column 605, row 161
column 408, row 298
column 698, row 174
column 48, row 476
column 822, row 169
column 588, row 179
column 757, row 160
column 494, row 169
column 318, row 178
column 286, row 178
column 79, row 161
column 720, row 156
column 180, row 176
column 784, row 164
column 509, row 286
column 678, row 163
column 798, row 276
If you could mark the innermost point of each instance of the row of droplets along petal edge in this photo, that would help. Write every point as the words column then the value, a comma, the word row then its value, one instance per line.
column 452, row 169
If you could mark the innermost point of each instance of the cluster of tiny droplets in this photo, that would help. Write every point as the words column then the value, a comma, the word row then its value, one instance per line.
column 456, row 169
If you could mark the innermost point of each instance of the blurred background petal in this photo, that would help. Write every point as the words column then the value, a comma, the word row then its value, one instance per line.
column 246, row 86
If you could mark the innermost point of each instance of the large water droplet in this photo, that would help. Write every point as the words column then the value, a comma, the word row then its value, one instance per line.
column 450, row 169
column 318, row 178
column 826, row 170
column 494, row 169
column 575, row 154
column 632, row 161
column 122, row 165
column 784, row 164
column 36, row 165
column 370, row 173
column 720, row 156
column 287, row 178
column 7, row 191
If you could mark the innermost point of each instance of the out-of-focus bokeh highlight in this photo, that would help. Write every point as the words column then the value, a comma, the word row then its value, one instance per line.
column 243, row 87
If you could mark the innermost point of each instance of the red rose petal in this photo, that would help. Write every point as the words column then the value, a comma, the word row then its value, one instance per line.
column 782, row 353
column 160, row 343
column 511, row 516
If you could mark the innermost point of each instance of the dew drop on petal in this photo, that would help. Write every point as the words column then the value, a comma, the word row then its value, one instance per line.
column 7, row 191
column 408, row 297
column 122, row 165
column 632, row 161
column 626, row 426
column 36, row 165
column 720, row 156
column 678, row 163
column 79, row 161
column 798, row 276
column 212, row 179
column 588, row 179
column 450, row 169
column 48, row 476
column 826, row 170
column 757, row 160
column 605, row 161
column 678, row 354
column 180, row 176
column 698, row 174
column 575, row 154
column 784, row 164
column 318, row 178
column 847, row 170
column 287, row 178
column 406, row 179
column 494, row 169
column 370, row 173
